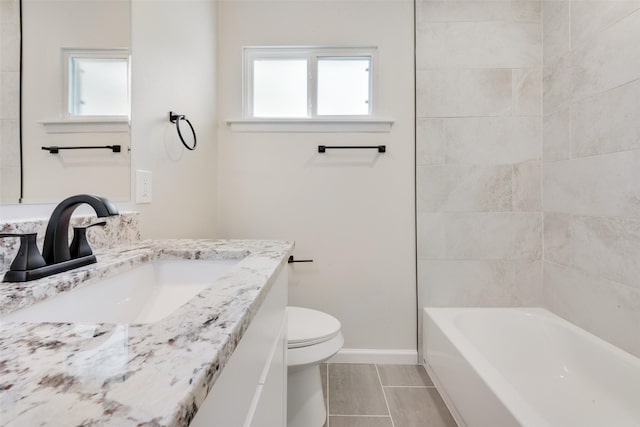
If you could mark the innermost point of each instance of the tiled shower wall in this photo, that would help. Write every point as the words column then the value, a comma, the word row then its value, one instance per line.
column 480, row 147
column 479, row 152
column 9, row 101
column 592, row 166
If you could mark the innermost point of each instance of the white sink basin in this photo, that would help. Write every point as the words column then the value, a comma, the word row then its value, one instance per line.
column 145, row 294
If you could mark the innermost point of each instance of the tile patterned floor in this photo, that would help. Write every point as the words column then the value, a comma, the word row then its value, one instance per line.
column 382, row 396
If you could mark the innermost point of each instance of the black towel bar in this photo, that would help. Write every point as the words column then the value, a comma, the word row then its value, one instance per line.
column 380, row 148
column 292, row 260
column 54, row 149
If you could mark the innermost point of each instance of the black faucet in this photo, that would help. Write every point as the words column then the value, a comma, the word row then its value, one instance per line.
column 56, row 238
column 56, row 254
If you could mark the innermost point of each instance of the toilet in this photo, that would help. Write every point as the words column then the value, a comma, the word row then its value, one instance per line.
column 313, row 337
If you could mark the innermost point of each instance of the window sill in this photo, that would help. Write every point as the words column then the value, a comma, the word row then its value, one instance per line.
column 310, row 125
column 87, row 125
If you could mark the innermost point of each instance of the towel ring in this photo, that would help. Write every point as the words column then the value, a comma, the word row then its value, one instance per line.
column 175, row 118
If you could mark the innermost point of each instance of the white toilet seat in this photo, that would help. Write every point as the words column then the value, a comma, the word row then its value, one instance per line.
column 308, row 327
column 313, row 336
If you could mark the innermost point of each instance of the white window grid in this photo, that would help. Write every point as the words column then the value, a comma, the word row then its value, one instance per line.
column 311, row 55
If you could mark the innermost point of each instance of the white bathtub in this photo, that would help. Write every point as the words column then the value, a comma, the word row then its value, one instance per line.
column 500, row 367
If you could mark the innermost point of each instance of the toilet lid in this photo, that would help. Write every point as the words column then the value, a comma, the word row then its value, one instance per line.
column 308, row 327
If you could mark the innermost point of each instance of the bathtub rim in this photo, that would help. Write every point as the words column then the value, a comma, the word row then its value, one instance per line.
column 444, row 318
column 542, row 312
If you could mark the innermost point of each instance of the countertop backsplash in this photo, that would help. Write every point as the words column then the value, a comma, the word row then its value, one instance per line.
column 119, row 229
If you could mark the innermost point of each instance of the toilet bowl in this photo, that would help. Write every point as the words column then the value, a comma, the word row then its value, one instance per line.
column 313, row 337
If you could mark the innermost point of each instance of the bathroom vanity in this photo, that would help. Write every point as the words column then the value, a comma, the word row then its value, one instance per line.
column 219, row 359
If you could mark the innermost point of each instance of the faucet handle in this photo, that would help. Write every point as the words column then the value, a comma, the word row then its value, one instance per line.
column 79, row 245
column 28, row 256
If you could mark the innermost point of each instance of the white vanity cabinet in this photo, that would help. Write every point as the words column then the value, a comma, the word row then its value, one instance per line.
column 252, row 388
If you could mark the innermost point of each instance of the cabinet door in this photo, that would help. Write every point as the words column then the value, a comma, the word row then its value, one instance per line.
column 232, row 396
column 270, row 404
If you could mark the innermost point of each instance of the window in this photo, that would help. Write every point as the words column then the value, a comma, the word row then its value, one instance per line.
column 344, row 86
column 97, row 82
column 298, row 83
column 280, row 87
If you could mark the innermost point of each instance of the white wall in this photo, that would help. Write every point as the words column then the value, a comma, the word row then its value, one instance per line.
column 174, row 57
column 49, row 26
column 352, row 212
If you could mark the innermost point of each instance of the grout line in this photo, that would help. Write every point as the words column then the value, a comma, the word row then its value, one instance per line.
column 385, row 396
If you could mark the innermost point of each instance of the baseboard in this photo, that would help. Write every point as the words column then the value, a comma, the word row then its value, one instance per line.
column 372, row 355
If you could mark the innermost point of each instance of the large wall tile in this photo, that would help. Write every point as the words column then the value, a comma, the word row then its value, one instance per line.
column 557, row 238
column 605, row 308
column 610, row 59
column 10, row 95
column 589, row 17
column 527, row 187
column 591, row 179
column 526, row 11
column 607, row 122
column 556, row 30
column 464, row 93
column 479, row 151
column 557, row 135
column 527, row 92
column 9, row 184
column 476, row 283
column 608, row 248
column 463, row 188
column 430, row 141
column 431, row 234
column 606, row 185
column 480, row 45
column 10, row 47
column 9, row 143
column 10, row 174
column 431, row 39
column 477, row 11
column 493, row 140
column 558, row 82
column 494, row 236
column 10, row 11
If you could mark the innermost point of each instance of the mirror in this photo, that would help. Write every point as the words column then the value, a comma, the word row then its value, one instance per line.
column 74, row 94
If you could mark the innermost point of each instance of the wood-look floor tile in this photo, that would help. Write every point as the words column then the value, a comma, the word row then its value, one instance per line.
column 364, row 421
column 418, row 407
column 355, row 390
column 404, row 375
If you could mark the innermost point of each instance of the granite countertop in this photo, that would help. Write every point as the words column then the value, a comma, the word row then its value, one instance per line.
column 154, row 374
